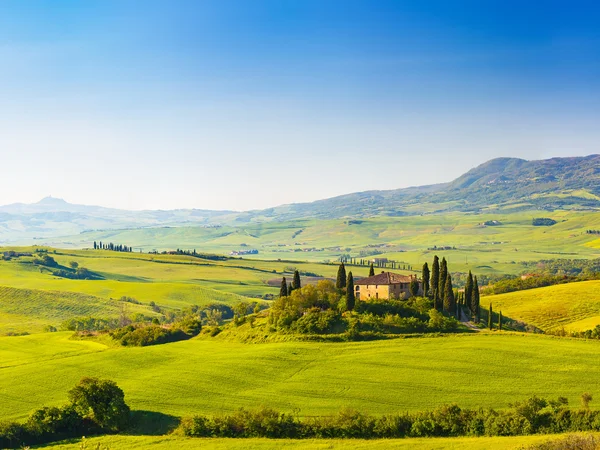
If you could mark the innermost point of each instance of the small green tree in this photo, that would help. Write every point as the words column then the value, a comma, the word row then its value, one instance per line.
column 296, row 281
column 425, row 278
column 413, row 287
column 283, row 291
column 340, row 282
column 490, row 319
column 102, row 402
column 350, row 297
column 74, row 264
column 371, row 270
column 290, row 289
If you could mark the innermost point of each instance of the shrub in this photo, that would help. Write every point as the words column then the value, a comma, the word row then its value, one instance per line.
column 101, row 401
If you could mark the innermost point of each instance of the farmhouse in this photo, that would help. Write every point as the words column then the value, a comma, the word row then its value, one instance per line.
column 385, row 285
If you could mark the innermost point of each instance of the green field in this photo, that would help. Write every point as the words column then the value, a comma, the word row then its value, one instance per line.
column 211, row 376
column 574, row 306
column 483, row 249
column 163, row 442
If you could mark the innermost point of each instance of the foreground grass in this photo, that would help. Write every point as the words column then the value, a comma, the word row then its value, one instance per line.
column 168, row 442
column 212, row 376
column 574, row 306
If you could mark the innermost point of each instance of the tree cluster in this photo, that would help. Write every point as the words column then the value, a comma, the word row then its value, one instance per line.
column 437, row 284
column 112, row 247
column 95, row 406
column 532, row 416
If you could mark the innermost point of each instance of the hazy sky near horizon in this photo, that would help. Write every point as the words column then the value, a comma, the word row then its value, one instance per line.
column 248, row 104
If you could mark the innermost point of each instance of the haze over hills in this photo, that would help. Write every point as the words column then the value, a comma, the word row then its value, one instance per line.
column 502, row 183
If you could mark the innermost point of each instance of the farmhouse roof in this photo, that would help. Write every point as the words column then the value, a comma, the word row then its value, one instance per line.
column 385, row 278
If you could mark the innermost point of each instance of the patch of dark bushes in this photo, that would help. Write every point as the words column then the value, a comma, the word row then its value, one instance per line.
column 532, row 416
column 144, row 335
column 587, row 334
column 95, row 407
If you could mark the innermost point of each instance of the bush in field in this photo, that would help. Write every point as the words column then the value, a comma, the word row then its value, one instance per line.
column 154, row 334
column 95, row 406
column 100, row 401
column 532, row 416
column 439, row 322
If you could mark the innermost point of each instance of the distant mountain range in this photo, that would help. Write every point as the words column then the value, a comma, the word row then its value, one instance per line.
column 502, row 183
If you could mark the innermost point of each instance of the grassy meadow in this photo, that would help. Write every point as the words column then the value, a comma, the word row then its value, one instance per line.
column 574, row 306
column 210, row 375
column 163, row 442
column 205, row 375
column 483, row 249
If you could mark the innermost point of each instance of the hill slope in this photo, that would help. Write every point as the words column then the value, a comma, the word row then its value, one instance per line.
column 499, row 183
column 574, row 306
column 377, row 377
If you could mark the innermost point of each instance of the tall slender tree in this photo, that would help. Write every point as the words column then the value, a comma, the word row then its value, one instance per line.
column 340, row 282
column 296, row 281
column 435, row 276
column 371, row 270
column 475, row 307
column 290, row 289
column 449, row 300
column 490, row 320
column 283, row 291
column 469, row 289
column 443, row 276
column 425, row 279
column 350, row 297
column 413, row 287
column 500, row 321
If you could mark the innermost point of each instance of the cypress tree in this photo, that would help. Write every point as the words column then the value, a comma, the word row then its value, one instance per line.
column 371, row 270
column 475, row 309
column 449, row 301
column 500, row 321
column 425, row 277
column 443, row 276
column 469, row 289
column 490, row 314
column 95, row 245
column 296, row 281
column 283, row 291
column 350, row 298
column 435, row 276
column 414, row 287
column 340, row 283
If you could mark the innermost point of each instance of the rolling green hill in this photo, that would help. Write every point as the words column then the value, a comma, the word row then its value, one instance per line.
column 30, row 310
column 499, row 185
column 574, row 306
column 210, row 376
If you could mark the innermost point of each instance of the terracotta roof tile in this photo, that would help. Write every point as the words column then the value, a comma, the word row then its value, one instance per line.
column 385, row 278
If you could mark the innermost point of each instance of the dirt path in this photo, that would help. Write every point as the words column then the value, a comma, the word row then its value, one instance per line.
column 465, row 320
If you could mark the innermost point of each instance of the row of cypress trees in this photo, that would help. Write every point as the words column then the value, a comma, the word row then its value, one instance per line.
column 286, row 289
column 111, row 246
column 437, row 284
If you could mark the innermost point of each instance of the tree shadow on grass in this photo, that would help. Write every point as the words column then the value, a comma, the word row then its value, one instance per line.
column 151, row 423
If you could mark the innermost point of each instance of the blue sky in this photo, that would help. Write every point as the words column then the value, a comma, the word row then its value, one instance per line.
column 249, row 104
